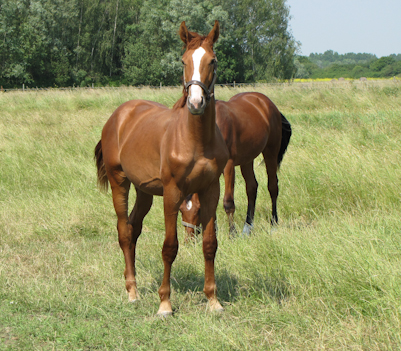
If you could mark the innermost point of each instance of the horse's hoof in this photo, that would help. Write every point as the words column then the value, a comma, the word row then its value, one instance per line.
column 133, row 296
column 164, row 314
column 247, row 230
column 165, row 309
column 215, row 306
column 218, row 310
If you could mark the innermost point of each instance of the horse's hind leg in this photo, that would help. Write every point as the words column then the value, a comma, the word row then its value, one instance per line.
column 128, row 229
column 143, row 203
column 270, row 158
column 251, row 192
column 228, row 200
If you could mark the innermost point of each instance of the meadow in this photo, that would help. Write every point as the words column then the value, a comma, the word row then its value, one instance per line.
column 328, row 277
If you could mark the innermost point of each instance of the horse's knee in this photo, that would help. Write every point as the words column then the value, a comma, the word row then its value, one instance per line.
column 209, row 248
column 169, row 251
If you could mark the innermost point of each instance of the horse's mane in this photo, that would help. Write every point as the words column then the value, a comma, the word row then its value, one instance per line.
column 182, row 101
column 196, row 41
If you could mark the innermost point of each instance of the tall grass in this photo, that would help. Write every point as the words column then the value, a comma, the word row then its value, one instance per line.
column 328, row 277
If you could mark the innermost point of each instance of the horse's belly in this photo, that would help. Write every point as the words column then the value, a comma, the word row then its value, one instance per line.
column 142, row 172
column 148, row 182
column 153, row 186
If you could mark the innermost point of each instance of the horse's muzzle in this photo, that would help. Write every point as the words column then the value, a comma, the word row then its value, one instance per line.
column 196, row 106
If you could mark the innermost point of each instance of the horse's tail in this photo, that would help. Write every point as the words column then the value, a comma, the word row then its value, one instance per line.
column 285, row 138
column 102, row 180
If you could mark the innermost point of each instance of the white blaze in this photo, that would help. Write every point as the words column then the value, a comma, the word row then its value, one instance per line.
column 195, row 90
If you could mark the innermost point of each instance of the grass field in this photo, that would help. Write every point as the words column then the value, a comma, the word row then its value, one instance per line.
column 327, row 278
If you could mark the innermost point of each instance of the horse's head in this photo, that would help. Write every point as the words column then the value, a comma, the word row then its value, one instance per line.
column 200, row 64
column 190, row 211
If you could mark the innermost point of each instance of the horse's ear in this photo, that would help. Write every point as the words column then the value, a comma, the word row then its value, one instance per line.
column 214, row 33
column 185, row 35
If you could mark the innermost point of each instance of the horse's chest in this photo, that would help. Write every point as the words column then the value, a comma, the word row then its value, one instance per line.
column 199, row 176
column 203, row 173
column 204, row 168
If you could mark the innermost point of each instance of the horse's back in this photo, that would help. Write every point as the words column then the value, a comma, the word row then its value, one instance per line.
column 257, row 105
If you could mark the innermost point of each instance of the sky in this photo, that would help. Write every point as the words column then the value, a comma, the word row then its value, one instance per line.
column 359, row 26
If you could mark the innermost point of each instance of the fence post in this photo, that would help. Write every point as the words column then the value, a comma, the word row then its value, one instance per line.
column 234, row 84
column 23, row 87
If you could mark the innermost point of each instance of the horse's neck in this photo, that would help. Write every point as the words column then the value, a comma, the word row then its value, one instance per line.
column 203, row 127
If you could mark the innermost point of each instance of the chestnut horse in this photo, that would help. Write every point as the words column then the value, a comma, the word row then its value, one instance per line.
column 171, row 153
column 251, row 124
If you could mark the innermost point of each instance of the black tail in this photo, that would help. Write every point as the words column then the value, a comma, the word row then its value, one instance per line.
column 285, row 138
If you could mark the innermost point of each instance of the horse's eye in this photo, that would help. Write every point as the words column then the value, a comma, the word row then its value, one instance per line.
column 182, row 61
column 213, row 61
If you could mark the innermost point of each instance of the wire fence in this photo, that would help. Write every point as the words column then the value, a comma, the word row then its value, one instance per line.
column 27, row 88
column 234, row 85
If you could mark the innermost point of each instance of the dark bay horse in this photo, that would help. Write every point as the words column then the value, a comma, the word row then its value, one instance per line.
column 171, row 153
column 251, row 124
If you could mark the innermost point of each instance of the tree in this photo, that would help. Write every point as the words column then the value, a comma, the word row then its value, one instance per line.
column 153, row 48
column 358, row 72
column 81, row 42
column 261, row 32
column 305, row 68
column 381, row 63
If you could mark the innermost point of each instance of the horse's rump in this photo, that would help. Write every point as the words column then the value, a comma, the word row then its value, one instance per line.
column 248, row 122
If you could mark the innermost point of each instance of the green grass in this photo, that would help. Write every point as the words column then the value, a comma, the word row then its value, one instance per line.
column 328, row 277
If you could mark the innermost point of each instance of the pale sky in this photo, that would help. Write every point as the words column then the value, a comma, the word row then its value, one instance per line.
column 359, row 26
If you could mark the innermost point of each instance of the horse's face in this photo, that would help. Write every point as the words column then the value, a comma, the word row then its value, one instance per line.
column 199, row 67
column 190, row 211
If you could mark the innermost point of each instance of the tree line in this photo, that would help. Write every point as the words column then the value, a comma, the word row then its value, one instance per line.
column 330, row 64
column 60, row 43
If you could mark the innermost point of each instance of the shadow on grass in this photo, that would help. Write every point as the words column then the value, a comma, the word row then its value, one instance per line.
column 231, row 287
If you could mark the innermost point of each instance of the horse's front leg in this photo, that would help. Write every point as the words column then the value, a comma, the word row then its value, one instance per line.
column 209, row 200
column 172, row 199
